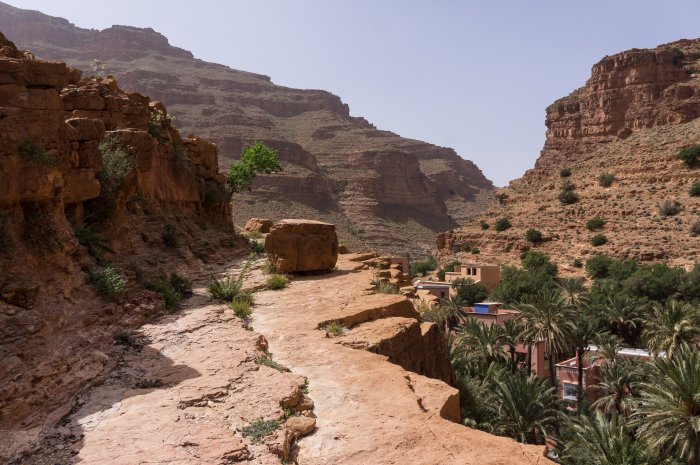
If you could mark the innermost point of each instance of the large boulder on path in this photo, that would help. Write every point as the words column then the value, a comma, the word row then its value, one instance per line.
column 302, row 245
column 261, row 225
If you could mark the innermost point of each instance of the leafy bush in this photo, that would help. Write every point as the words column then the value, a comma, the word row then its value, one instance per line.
column 655, row 282
column 695, row 229
column 565, row 173
column 172, row 289
column 257, row 158
column 598, row 240
column 277, row 281
column 422, row 267
column 568, row 186
column 535, row 261
column 35, row 154
column 517, row 284
column 598, row 266
column 577, row 263
column 156, row 122
column 502, row 197
column 225, row 288
column 695, row 189
column 116, row 165
column 476, row 251
column 469, row 291
column 606, row 179
column 689, row 154
column 502, row 224
column 335, row 329
column 484, row 225
column 669, row 208
column 244, row 296
column 241, row 309
column 595, row 223
column 107, row 282
column 260, row 428
column 169, row 237
column 533, row 235
column 257, row 247
column 431, row 313
column 266, row 360
column 568, row 197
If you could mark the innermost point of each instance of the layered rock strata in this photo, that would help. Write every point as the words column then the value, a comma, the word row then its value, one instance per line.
column 383, row 191
column 632, row 117
column 297, row 246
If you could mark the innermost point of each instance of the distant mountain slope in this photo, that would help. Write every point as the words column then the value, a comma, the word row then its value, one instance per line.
column 638, row 109
column 383, row 191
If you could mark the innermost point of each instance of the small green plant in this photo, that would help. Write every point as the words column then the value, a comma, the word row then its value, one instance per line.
column 169, row 236
column 565, row 173
column 568, row 197
column 256, row 234
column 534, row 236
column 385, row 288
column 419, row 267
column 695, row 229
column 225, row 288
column 213, row 194
column 270, row 265
column 116, row 165
column 335, row 329
column 502, row 197
column 689, row 155
column 257, row 158
column 476, row 251
column 35, row 154
column 244, row 296
column 172, row 289
column 432, row 313
column 694, row 189
column 606, row 179
column 156, row 122
column 277, row 281
column 241, row 309
column 598, row 240
column 577, row 263
column 466, row 247
column 266, row 359
column 502, row 224
column 148, row 384
column 484, row 225
column 669, row 208
column 595, row 223
column 257, row 247
column 259, row 429
column 107, row 282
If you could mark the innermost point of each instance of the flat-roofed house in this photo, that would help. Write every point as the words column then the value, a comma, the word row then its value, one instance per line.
column 488, row 275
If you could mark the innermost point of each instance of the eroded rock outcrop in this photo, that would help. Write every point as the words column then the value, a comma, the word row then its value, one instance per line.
column 62, row 215
column 261, row 225
column 377, row 187
column 298, row 246
column 636, row 112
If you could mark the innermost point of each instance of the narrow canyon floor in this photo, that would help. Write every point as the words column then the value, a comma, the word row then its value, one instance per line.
column 188, row 383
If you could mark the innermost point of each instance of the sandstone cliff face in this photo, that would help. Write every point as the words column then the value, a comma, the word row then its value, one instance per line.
column 379, row 188
column 55, row 332
column 638, row 109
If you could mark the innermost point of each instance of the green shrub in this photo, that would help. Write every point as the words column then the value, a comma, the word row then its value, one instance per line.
column 422, row 267
column 565, row 173
column 695, row 229
column 598, row 240
column 35, row 154
column 385, row 288
column 694, row 189
column 568, row 197
column 465, row 247
column 517, row 284
column 257, row 158
column 577, row 263
column 502, row 197
column 335, row 329
column 598, row 266
column 533, row 235
column 257, row 247
column 172, row 289
column 244, row 296
column 502, row 224
column 266, row 360
column 277, row 281
column 254, row 234
column 535, row 261
column 116, row 165
column 270, row 266
column 107, row 282
column 595, row 223
column 606, row 179
column 449, row 267
column 259, row 429
column 225, row 288
column 241, row 309
column 669, row 208
column 656, row 282
column 568, row 186
column 213, row 194
column 476, row 251
column 469, row 291
column 484, row 225
column 689, row 154
column 169, row 237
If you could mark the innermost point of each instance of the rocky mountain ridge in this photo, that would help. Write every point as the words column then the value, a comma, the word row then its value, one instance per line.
column 382, row 190
column 632, row 117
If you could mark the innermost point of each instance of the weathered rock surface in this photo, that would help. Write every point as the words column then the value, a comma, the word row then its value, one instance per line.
column 368, row 409
column 638, row 109
column 383, row 191
column 302, row 245
column 56, row 334
column 261, row 225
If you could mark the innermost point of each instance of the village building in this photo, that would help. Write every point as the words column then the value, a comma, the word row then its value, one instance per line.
column 488, row 275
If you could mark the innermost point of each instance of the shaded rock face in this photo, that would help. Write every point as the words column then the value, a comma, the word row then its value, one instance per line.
column 55, row 333
column 634, row 114
column 383, row 191
column 302, row 245
column 261, row 225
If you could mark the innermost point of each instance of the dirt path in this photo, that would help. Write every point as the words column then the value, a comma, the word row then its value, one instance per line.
column 369, row 411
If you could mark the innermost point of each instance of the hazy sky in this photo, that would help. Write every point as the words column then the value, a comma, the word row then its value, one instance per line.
column 475, row 76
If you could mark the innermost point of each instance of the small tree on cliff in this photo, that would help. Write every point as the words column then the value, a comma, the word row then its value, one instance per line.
column 257, row 158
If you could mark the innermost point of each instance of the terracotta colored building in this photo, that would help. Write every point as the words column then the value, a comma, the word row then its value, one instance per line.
column 437, row 289
column 488, row 275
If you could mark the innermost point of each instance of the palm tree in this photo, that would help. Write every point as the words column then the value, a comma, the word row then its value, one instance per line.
column 485, row 342
column 454, row 312
column 669, row 409
column 617, row 381
column 527, row 408
column 583, row 328
column 622, row 313
column 671, row 326
column 598, row 440
column 572, row 287
column 512, row 332
column 545, row 317
column 609, row 346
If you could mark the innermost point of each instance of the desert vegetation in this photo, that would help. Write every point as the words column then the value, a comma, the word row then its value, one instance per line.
column 689, row 155
column 502, row 224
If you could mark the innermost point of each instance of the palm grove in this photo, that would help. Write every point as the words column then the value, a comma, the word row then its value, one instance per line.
column 645, row 413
